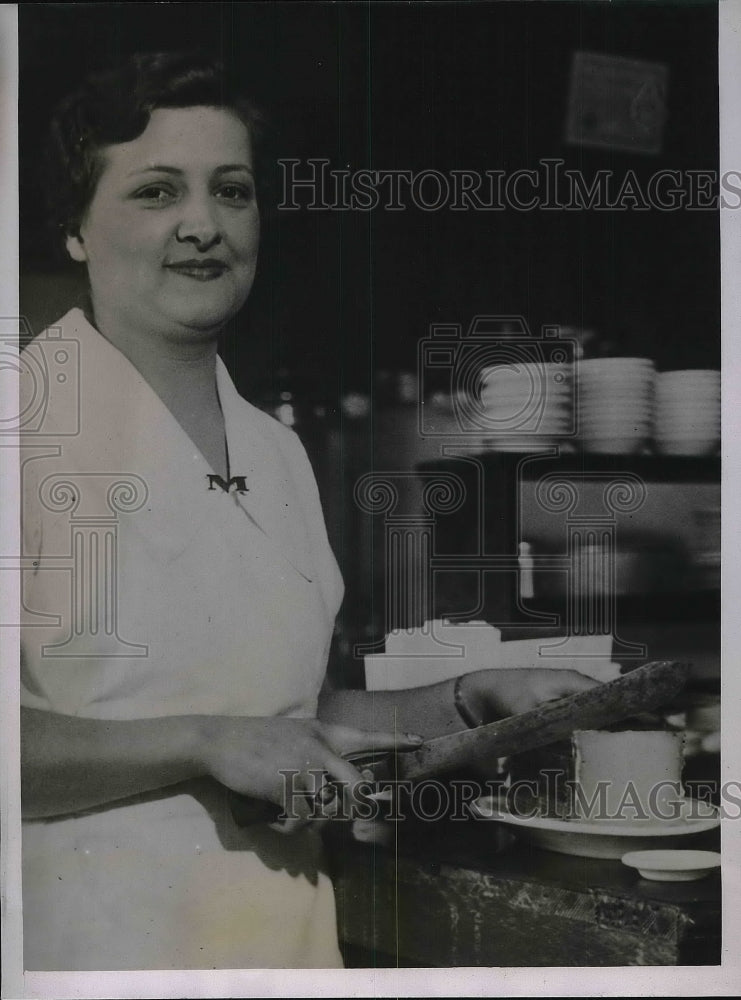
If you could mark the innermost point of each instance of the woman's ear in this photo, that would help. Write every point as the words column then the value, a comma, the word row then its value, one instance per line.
column 76, row 247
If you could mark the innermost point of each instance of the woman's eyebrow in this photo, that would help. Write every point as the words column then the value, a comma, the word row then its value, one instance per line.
column 161, row 168
column 229, row 167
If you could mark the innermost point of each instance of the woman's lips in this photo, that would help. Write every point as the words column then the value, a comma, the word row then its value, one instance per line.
column 201, row 270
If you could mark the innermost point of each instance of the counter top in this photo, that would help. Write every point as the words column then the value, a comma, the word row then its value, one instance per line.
column 468, row 894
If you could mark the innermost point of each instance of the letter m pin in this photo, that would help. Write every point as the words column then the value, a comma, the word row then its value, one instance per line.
column 238, row 482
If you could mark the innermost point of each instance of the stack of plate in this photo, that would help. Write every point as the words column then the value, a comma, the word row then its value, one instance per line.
column 616, row 404
column 526, row 406
column 688, row 412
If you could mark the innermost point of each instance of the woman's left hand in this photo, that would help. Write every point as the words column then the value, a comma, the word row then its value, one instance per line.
column 497, row 694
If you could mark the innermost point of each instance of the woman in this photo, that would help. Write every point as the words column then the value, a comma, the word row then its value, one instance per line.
column 180, row 654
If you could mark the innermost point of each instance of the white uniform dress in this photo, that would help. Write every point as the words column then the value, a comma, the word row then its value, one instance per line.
column 156, row 597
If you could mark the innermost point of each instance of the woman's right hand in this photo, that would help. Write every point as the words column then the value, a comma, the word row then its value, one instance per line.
column 286, row 761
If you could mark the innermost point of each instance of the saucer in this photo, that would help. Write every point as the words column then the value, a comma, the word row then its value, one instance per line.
column 672, row 866
column 600, row 838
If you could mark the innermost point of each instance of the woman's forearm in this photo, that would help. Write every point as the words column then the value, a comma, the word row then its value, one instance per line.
column 429, row 711
column 451, row 706
column 70, row 763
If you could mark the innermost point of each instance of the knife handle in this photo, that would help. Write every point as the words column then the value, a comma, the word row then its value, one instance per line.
column 380, row 763
column 247, row 811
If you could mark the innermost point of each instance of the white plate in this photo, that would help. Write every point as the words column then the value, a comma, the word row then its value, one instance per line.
column 521, row 413
column 700, row 392
column 555, row 399
column 607, row 400
column 601, row 365
column 523, row 445
column 625, row 373
column 686, row 417
column 607, row 405
column 494, row 401
column 600, row 838
column 688, row 420
column 614, row 446
column 529, row 448
column 620, row 371
column 610, row 395
column 621, row 420
column 687, row 411
column 542, row 430
column 687, row 432
column 546, row 381
column 616, row 424
column 682, row 427
column 616, row 383
column 704, row 407
column 693, row 374
column 617, row 429
column 689, row 448
column 672, row 866
column 602, row 396
column 665, row 404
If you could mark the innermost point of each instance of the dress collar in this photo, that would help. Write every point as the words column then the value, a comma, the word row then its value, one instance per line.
column 125, row 426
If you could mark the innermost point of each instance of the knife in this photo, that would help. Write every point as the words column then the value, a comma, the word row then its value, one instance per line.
column 641, row 689
column 638, row 690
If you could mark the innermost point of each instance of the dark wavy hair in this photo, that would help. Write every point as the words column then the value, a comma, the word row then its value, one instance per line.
column 115, row 106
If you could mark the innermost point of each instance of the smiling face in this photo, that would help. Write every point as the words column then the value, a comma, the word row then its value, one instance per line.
column 170, row 238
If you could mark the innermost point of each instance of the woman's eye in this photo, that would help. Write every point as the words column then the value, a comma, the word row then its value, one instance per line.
column 237, row 193
column 156, row 194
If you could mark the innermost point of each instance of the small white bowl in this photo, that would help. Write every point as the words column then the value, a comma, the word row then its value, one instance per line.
column 672, row 866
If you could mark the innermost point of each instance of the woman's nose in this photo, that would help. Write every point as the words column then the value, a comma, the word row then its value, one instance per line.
column 199, row 224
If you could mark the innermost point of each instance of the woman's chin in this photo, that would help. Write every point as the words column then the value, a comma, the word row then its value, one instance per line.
column 204, row 317
column 201, row 324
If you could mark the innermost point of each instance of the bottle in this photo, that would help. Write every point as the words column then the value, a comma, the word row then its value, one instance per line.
column 526, row 565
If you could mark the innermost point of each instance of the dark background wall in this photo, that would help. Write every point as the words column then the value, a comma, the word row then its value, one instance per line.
column 420, row 86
